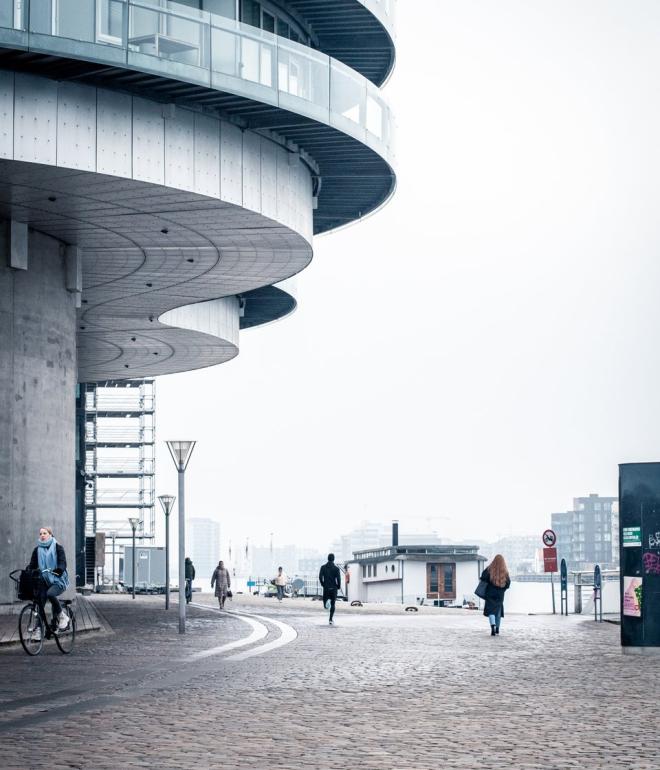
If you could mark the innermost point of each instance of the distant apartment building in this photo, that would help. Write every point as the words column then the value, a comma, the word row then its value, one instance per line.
column 203, row 547
column 519, row 552
column 588, row 534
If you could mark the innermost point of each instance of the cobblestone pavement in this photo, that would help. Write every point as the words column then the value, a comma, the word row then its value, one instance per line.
column 376, row 691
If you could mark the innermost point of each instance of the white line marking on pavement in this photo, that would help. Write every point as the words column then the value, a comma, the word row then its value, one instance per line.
column 259, row 631
column 288, row 634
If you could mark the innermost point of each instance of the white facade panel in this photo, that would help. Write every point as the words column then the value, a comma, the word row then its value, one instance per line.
column 231, row 163
column 301, row 186
column 6, row 114
column 467, row 579
column 218, row 317
column 269, row 187
column 114, row 129
column 414, row 578
column 252, row 171
column 388, row 592
column 76, row 126
column 207, row 156
column 35, row 119
column 180, row 150
column 148, row 141
column 284, row 193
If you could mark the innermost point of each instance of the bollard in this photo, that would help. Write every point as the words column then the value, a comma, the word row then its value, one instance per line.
column 578, row 593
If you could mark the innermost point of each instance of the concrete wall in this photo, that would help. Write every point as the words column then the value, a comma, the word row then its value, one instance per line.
column 37, row 404
column 80, row 127
column 467, row 579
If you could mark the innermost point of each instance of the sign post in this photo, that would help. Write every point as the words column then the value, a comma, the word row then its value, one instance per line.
column 563, row 572
column 550, row 561
column 598, row 594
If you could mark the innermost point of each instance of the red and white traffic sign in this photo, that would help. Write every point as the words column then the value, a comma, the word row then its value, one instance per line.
column 550, row 560
column 549, row 538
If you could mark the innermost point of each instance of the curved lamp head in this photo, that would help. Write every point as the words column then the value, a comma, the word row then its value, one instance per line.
column 167, row 501
column 181, row 451
column 134, row 522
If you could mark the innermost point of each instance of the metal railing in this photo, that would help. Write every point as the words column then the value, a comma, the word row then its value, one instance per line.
column 203, row 48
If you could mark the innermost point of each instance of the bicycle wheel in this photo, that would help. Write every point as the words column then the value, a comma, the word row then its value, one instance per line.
column 66, row 639
column 31, row 629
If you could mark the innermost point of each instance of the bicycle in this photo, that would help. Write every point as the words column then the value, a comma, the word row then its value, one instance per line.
column 31, row 630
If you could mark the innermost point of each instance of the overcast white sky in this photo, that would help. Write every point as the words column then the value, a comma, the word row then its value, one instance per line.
column 486, row 347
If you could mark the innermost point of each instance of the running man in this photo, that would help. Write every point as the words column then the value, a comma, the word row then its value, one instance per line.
column 330, row 579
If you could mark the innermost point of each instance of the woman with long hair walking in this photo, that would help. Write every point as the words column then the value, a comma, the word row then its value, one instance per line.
column 496, row 575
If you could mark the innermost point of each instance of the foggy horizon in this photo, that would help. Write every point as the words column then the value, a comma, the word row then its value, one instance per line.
column 482, row 348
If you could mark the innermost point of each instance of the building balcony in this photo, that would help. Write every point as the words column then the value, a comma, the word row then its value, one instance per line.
column 207, row 60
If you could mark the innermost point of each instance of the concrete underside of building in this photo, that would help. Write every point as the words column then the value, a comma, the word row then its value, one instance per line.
column 142, row 229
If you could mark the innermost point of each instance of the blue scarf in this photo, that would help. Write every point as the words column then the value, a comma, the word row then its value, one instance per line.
column 47, row 555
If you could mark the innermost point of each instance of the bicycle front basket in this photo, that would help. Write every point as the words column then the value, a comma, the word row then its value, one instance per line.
column 25, row 586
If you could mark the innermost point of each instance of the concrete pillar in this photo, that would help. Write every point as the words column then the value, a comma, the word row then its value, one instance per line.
column 38, row 372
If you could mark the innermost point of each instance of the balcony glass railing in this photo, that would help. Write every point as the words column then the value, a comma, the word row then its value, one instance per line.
column 167, row 38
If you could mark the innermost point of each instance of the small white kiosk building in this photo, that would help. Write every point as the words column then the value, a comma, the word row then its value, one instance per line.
column 416, row 574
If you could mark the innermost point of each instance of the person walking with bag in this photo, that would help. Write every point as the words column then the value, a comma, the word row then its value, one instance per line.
column 221, row 580
column 496, row 577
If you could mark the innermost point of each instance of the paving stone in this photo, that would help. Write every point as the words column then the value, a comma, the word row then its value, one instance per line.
column 382, row 691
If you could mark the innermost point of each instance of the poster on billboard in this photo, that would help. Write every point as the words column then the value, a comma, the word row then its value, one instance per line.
column 632, row 596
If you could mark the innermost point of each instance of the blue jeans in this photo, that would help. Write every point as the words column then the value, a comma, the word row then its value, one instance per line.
column 496, row 619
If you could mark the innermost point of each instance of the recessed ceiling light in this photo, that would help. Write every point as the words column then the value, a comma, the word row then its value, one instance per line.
column 52, row 198
column 165, row 231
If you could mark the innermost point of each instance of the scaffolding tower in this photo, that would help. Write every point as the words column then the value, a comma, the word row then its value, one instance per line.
column 119, row 464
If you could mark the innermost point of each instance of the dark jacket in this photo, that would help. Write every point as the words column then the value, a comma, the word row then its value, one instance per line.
column 61, row 560
column 329, row 576
column 190, row 570
column 494, row 595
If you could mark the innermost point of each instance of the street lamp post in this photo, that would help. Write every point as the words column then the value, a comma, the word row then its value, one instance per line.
column 133, row 521
column 181, row 451
column 114, row 584
column 167, row 501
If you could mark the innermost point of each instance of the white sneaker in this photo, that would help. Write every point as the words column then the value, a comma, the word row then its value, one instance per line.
column 63, row 621
column 327, row 604
column 35, row 636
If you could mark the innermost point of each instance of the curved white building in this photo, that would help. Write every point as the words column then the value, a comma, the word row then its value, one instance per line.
column 164, row 167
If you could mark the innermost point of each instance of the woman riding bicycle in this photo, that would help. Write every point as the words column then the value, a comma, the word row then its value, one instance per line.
column 49, row 559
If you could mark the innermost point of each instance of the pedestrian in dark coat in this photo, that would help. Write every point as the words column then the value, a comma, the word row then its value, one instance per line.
column 330, row 580
column 496, row 575
column 222, row 582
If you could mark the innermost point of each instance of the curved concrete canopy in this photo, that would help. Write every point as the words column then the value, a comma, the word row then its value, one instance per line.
column 147, row 247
